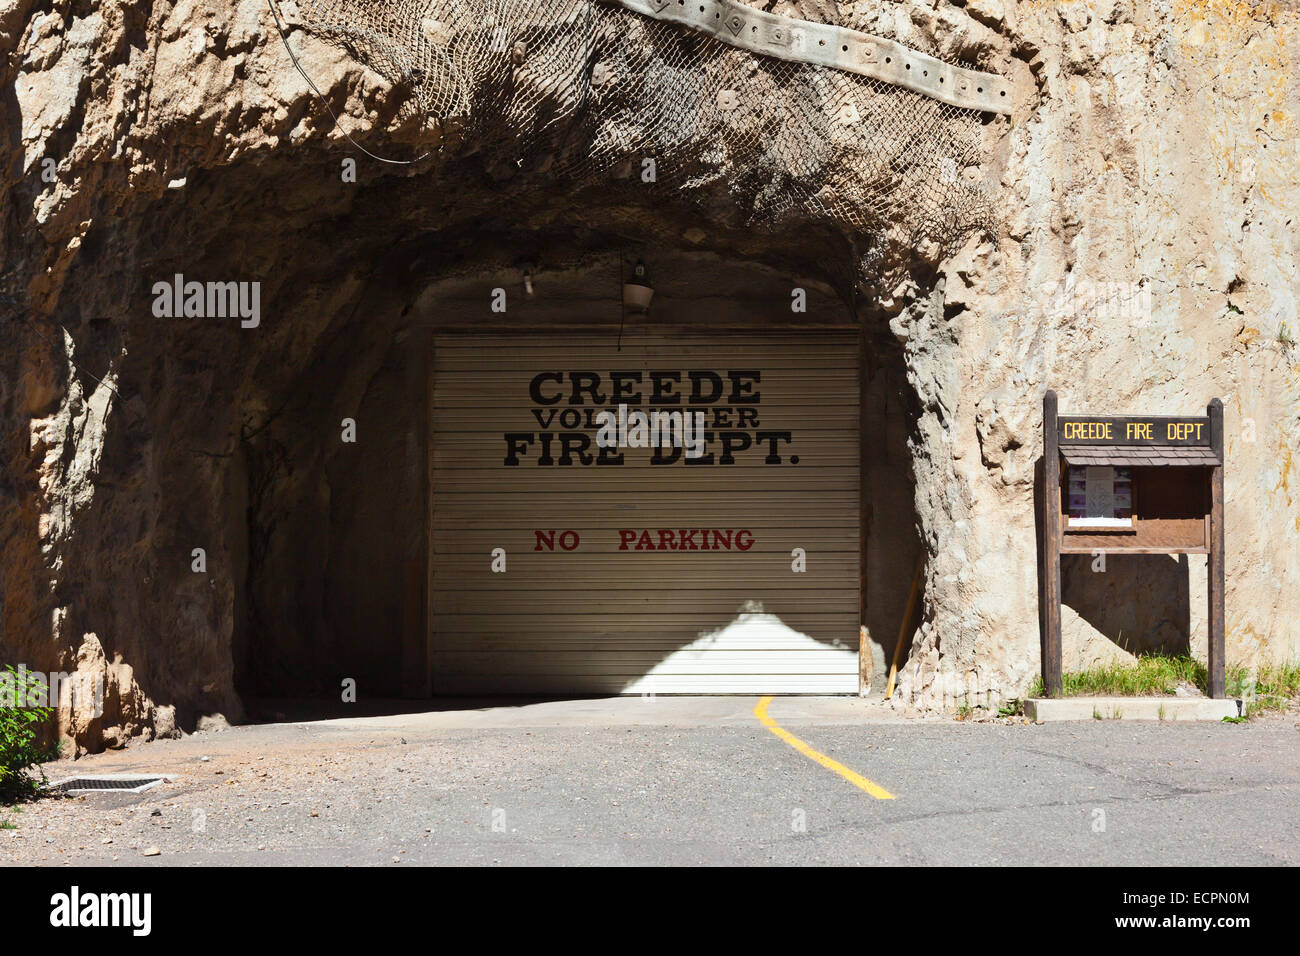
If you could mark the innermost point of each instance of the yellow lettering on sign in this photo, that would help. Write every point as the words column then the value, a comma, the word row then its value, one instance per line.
column 1086, row 430
column 1140, row 430
column 1181, row 431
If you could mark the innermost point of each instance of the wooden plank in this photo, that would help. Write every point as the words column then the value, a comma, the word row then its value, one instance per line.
column 1051, row 590
column 1215, row 566
column 1101, row 549
column 1151, row 536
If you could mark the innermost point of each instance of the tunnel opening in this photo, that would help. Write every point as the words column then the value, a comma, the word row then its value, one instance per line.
column 225, row 437
column 336, row 516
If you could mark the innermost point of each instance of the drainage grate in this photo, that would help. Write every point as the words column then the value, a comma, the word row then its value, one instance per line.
column 115, row 783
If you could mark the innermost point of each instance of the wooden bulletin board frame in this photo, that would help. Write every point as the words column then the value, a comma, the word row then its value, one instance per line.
column 1177, row 507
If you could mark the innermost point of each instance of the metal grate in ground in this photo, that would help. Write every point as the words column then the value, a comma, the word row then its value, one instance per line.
column 117, row 783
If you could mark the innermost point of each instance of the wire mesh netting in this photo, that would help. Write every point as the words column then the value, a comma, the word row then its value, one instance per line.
column 588, row 93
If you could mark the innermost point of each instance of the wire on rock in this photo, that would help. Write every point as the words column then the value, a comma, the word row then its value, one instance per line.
column 279, row 26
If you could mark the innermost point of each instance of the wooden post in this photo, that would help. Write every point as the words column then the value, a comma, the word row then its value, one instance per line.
column 1050, row 595
column 1215, row 570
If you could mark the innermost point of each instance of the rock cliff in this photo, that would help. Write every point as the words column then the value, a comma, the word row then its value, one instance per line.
column 1143, row 260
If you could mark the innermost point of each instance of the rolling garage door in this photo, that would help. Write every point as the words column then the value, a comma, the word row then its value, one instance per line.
column 560, row 566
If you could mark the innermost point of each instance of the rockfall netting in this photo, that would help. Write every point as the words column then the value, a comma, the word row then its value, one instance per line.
column 587, row 93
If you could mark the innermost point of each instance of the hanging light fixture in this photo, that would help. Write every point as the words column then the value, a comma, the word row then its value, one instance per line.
column 637, row 291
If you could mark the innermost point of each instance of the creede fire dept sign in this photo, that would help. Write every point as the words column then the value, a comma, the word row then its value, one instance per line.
column 1140, row 485
column 675, row 516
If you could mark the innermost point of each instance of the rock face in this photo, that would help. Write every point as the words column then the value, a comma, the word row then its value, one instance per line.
column 1149, row 264
column 155, row 473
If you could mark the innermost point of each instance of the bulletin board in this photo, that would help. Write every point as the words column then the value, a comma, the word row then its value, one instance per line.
column 1134, row 484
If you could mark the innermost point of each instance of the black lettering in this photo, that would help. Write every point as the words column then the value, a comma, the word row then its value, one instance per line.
column 535, row 388
column 703, row 459
column 742, row 391
column 772, row 438
column 662, row 394
column 606, row 456
column 697, row 393
column 666, row 455
column 574, row 442
column 623, row 382
column 585, row 383
column 515, row 443
column 733, row 441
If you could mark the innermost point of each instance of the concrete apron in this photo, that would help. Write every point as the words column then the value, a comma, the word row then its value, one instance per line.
column 683, row 711
column 1041, row 710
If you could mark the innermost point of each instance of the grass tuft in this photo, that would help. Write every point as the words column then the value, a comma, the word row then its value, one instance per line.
column 1145, row 676
column 1270, row 687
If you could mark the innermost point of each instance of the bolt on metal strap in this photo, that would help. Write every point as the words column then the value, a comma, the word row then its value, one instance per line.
column 840, row 48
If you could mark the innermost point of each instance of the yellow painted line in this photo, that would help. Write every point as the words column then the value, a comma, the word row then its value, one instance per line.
column 877, row 791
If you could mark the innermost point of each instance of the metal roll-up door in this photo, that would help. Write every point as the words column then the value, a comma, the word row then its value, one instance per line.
column 557, row 568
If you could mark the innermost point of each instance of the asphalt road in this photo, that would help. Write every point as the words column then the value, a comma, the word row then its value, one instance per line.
column 684, row 782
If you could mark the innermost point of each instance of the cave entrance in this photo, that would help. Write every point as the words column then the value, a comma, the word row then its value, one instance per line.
column 476, row 539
